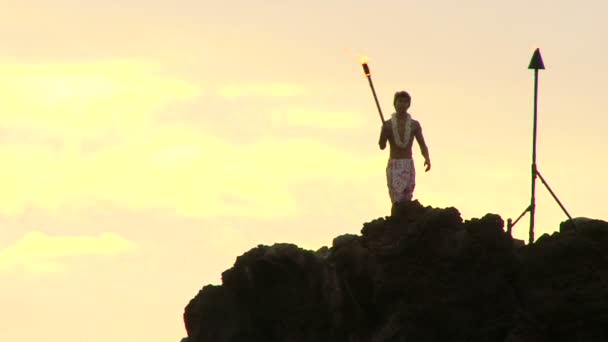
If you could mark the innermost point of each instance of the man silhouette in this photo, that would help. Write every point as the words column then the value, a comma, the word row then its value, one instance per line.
column 400, row 131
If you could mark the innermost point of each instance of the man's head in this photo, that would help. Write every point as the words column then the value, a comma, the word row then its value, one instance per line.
column 402, row 101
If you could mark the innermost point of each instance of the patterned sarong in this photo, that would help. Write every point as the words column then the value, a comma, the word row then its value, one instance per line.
column 401, row 179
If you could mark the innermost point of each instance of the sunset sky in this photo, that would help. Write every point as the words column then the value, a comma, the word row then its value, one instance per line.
column 146, row 144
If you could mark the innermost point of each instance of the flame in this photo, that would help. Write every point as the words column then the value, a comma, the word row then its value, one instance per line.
column 364, row 60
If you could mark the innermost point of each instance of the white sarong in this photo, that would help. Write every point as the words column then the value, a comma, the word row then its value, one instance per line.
column 401, row 179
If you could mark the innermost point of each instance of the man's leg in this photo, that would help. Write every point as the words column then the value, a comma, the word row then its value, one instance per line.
column 394, row 180
column 409, row 178
column 399, row 175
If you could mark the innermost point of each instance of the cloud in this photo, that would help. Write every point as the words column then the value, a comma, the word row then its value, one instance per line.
column 144, row 164
column 206, row 177
column 37, row 252
column 82, row 100
column 260, row 90
column 179, row 169
column 320, row 118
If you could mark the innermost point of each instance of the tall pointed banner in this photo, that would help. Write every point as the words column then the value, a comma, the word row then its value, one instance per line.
column 536, row 64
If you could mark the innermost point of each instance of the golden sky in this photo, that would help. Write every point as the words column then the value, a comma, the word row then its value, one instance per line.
column 146, row 144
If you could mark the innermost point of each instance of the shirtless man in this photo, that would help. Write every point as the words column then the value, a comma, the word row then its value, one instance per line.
column 400, row 132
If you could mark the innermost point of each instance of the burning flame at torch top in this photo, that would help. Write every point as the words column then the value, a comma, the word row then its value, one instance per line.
column 364, row 61
column 368, row 74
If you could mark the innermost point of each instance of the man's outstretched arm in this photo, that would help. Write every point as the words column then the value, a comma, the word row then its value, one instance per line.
column 423, row 148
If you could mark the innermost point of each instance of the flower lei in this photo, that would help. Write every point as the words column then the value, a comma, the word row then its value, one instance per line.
column 408, row 130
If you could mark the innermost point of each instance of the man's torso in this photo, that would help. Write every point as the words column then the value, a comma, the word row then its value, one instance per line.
column 397, row 152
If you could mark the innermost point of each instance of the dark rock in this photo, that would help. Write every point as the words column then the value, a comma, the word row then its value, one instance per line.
column 421, row 274
column 564, row 282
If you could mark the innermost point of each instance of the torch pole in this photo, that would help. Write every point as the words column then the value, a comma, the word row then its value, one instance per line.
column 371, row 84
column 536, row 64
column 534, row 170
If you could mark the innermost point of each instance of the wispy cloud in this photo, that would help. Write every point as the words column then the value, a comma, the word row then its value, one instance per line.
column 179, row 169
column 260, row 90
column 75, row 101
column 37, row 252
column 313, row 118
column 153, row 165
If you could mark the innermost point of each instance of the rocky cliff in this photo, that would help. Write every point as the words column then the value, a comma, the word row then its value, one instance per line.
column 421, row 274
